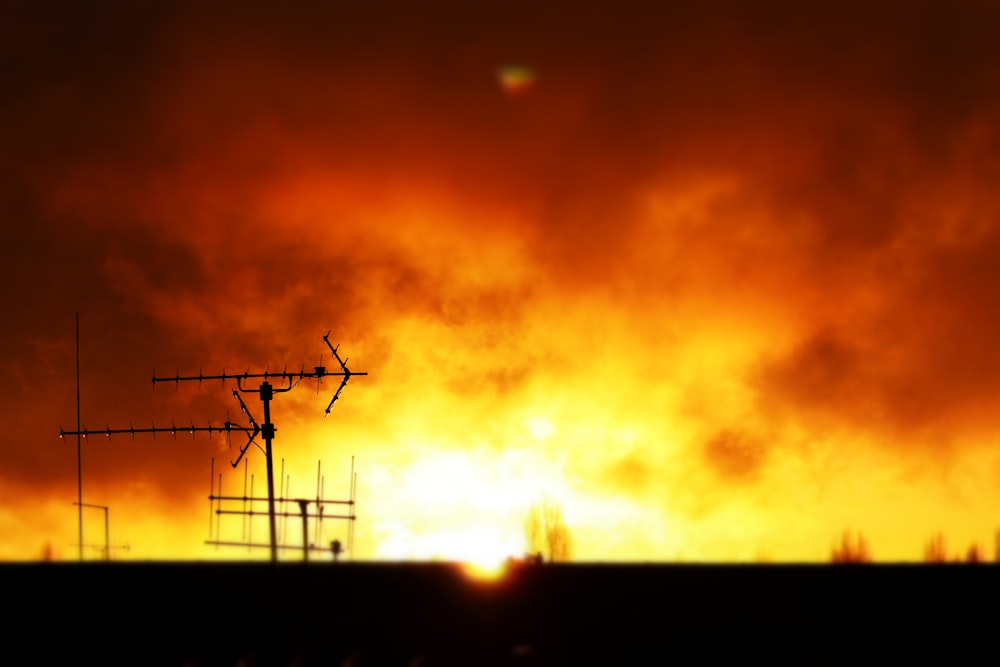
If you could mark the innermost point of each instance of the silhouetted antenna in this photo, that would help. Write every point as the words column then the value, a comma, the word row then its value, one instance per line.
column 173, row 429
column 319, row 493
column 79, row 448
column 246, row 473
column 106, row 547
column 248, row 514
column 222, row 505
column 281, row 493
column 211, row 481
column 354, row 502
column 265, row 391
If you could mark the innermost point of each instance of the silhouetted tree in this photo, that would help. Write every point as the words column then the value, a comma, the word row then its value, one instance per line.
column 996, row 546
column 935, row 550
column 547, row 531
column 851, row 549
column 974, row 554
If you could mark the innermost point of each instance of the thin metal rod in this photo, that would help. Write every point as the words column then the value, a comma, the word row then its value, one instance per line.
column 282, row 494
column 284, row 524
column 304, row 506
column 250, row 519
column 211, row 481
column 252, row 545
column 350, row 526
column 246, row 470
column 319, row 490
column 287, row 514
column 218, row 519
column 264, row 499
column 319, row 507
column 354, row 509
column 79, row 447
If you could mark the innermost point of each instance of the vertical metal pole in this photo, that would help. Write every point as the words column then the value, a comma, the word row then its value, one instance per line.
column 107, row 536
column 354, row 510
column 246, row 472
column 304, row 507
column 350, row 522
column 218, row 514
column 287, row 494
column 319, row 505
column 249, row 532
column 79, row 447
column 268, row 431
column 284, row 506
column 211, row 498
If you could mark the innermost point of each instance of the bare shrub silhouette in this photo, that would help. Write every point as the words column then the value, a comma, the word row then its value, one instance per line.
column 852, row 548
column 935, row 550
column 547, row 531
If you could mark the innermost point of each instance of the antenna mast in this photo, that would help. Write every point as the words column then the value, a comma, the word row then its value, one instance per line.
column 266, row 391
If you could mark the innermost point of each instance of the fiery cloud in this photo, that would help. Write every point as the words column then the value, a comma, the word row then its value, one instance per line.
column 721, row 284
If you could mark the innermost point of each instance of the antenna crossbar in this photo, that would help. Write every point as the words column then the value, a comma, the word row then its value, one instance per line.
column 288, row 514
column 265, row 545
column 278, row 499
column 318, row 372
column 173, row 429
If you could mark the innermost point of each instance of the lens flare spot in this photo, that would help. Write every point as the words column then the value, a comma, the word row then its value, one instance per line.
column 516, row 79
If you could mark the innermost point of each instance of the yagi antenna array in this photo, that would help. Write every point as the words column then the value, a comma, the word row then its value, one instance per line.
column 293, row 378
column 227, row 427
column 266, row 429
column 228, row 504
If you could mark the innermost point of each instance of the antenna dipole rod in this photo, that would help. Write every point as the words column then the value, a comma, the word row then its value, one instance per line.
column 354, row 509
column 211, row 481
column 282, row 494
column 319, row 490
column 79, row 447
column 246, row 472
column 218, row 519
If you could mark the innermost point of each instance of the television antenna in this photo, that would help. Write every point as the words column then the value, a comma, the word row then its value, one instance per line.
column 308, row 508
column 266, row 391
column 106, row 548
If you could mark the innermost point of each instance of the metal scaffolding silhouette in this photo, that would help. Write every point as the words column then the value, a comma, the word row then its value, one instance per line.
column 266, row 391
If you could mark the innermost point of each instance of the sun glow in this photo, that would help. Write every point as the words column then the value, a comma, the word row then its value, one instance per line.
column 487, row 571
column 473, row 505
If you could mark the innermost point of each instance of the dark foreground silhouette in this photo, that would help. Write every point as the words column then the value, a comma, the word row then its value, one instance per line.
column 260, row 614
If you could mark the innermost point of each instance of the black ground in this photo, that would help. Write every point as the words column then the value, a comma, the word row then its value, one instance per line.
column 431, row 614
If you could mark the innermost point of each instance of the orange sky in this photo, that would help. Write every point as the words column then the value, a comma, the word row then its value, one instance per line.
column 719, row 281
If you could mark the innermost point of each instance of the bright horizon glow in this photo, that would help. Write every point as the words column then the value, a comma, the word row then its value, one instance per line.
column 485, row 571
